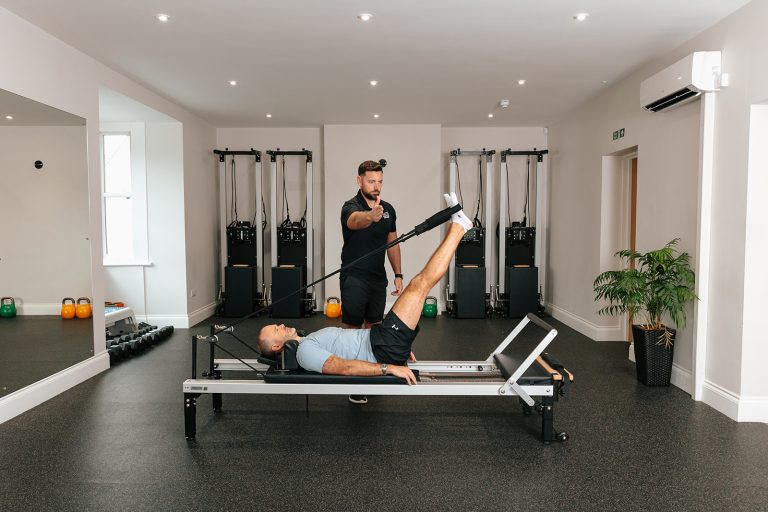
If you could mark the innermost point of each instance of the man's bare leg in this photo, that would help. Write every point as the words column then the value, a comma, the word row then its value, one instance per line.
column 409, row 305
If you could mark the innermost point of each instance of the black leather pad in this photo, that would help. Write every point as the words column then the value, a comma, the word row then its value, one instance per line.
column 507, row 365
column 302, row 376
column 535, row 374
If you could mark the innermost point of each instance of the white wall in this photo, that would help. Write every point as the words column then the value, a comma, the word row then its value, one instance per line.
column 156, row 290
column 44, row 252
column 667, row 199
column 166, row 279
column 754, row 348
column 413, row 181
column 44, row 69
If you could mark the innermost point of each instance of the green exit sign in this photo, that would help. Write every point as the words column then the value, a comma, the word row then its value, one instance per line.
column 618, row 134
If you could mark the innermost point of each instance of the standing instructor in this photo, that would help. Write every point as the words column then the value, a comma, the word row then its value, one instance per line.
column 367, row 223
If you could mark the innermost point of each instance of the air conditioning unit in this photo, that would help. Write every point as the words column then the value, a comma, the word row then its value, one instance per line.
column 682, row 82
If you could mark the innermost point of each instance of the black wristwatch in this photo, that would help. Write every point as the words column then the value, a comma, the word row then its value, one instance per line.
column 398, row 275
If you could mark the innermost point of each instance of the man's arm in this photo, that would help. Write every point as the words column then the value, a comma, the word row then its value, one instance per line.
column 393, row 253
column 360, row 220
column 337, row 366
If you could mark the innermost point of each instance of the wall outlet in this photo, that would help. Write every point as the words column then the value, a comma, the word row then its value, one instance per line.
column 193, row 293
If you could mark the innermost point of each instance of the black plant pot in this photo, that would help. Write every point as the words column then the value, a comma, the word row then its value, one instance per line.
column 653, row 359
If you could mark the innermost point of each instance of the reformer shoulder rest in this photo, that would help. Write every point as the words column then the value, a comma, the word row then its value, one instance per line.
column 285, row 369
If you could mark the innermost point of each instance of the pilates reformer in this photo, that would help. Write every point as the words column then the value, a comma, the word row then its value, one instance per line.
column 498, row 375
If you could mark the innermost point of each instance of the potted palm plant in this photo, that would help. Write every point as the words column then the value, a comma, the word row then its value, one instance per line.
column 655, row 284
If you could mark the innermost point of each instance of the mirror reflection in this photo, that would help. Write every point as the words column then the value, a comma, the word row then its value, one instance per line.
column 44, row 245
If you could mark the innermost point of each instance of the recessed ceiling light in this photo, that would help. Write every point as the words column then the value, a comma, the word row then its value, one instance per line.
column 162, row 17
column 521, row 82
column 269, row 116
column 374, row 83
column 490, row 115
column 605, row 81
column 376, row 116
column 233, row 82
column 581, row 16
column 365, row 16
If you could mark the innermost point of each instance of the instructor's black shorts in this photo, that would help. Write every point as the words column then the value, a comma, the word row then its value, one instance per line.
column 362, row 300
column 391, row 341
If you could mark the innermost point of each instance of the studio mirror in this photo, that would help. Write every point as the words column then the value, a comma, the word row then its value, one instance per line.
column 44, row 241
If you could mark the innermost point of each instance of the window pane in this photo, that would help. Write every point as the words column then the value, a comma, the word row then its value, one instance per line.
column 119, row 227
column 117, row 163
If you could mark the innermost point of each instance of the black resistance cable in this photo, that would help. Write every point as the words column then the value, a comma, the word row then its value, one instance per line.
column 432, row 222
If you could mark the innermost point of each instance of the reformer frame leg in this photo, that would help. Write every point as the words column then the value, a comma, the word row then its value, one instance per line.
column 216, row 398
column 547, row 420
column 548, row 432
column 190, row 420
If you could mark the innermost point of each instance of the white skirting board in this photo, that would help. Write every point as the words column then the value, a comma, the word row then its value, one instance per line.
column 197, row 316
column 38, row 309
column 752, row 408
column 178, row 321
column 35, row 394
column 748, row 408
column 738, row 408
column 585, row 327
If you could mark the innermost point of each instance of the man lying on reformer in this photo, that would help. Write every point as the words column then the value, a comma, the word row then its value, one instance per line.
column 383, row 349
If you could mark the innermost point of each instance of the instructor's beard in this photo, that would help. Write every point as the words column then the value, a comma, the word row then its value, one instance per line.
column 370, row 197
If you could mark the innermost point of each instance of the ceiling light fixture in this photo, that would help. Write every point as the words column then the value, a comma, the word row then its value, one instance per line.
column 521, row 82
column 269, row 116
column 490, row 115
column 581, row 16
column 163, row 18
column 365, row 16
column 376, row 116
column 233, row 82
column 10, row 118
column 504, row 103
column 374, row 83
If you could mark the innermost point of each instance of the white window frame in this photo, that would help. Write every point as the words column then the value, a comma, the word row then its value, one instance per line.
column 138, row 194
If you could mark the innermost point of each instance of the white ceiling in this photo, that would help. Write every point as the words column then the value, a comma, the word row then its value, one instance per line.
column 308, row 62
column 26, row 112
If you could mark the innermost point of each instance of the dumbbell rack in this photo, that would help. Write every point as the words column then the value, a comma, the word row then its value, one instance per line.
column 125, row 345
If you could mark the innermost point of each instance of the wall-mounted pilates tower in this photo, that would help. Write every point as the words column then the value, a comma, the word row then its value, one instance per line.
column 469, row 278
column 292, row 243
column 520, row 249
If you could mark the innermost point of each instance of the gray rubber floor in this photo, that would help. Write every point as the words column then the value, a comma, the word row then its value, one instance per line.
column 116, row 442
column 33, row 347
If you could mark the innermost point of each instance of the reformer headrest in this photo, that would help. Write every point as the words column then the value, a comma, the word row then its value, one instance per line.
column 285, row 360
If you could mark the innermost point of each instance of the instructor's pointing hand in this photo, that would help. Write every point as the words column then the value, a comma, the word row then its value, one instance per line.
column 377, row 211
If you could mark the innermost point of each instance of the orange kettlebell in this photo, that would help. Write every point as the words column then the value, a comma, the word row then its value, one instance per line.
column 83, row 309
column 68, row 308
column 333, row 307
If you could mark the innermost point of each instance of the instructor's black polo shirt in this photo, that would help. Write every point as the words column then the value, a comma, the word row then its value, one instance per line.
column 358, row 242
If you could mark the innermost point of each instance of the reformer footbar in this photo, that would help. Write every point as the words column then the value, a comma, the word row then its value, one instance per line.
column 498, row 375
